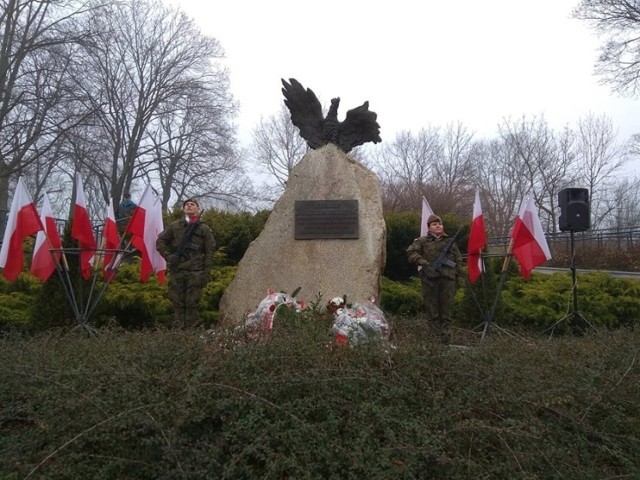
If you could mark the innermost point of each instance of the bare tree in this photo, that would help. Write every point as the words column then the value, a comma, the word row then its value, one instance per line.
column 438, row 165
column 623, row 204
column 140, row 60
column 277, row 147
column 618, row 21
column 454, row 171
column 599, row 160
column 406, row 166
column 501, row 184
column 34, row 71
column 195, row 155
column 544, row 159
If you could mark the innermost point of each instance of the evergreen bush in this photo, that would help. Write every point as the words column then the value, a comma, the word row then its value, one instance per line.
column 186, row 405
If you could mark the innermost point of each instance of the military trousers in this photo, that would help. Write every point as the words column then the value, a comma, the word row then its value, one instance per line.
column 184, row 292
column 438, row 304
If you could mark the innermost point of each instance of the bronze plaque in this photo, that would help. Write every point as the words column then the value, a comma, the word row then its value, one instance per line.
column 322, row 219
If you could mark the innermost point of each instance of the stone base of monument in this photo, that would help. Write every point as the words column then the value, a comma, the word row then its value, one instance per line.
column 326, row 234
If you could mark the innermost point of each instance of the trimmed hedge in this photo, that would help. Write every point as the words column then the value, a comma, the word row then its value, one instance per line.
column 535, row 304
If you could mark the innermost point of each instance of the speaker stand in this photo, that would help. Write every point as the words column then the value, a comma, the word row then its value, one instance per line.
column 578, row 323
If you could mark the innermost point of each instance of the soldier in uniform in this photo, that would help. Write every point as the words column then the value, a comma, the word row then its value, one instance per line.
column 189, row 261
column 438, row 286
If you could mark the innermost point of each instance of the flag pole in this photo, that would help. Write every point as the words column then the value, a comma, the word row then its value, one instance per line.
column 481, row 308
column 503, row 275
column 100, row 256
column 114, row 264
column 62, row 266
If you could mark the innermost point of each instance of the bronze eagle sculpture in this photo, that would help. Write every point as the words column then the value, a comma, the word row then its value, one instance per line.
column 359, row 126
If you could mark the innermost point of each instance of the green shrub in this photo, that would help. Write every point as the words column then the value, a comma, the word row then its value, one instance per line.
column 476, row 300
column 17, row 302
column 402, row 229
column 604, row 301
column 179, row 405
column 535, row 304
column 398, row 298
column 221, row 278
column 132, row 304
column 15, row 308
column 234, row 232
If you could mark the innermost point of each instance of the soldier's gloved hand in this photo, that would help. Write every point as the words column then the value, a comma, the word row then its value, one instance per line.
column 428, row 272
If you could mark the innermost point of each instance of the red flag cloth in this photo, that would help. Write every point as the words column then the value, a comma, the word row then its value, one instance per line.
column 477, row 242
column 529, row 243
column 23, row 221
column 111, row 242
column 44, row 261
column 82, row 231
column 426, row 213
column 145, row 226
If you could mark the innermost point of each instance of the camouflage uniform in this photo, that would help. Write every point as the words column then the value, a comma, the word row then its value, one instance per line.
column 438, row 295
column 189, row 274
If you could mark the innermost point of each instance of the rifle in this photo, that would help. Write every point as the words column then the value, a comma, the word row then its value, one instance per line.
column 185, row 243
column 442, row 260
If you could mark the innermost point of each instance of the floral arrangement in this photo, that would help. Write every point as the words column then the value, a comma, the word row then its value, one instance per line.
column 352, row 324
column 336, row 304
column 357, row 323
column 262, row 318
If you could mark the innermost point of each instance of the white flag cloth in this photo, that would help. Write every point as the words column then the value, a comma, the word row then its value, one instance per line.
column 529, row 243
column 477, row 241
column 111, row 241
column 43, row 262
column 145, row 226
column 82, row 231
column 426, row 213
column 23, row 221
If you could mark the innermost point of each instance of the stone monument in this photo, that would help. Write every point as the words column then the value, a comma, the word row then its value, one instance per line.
column 326, row 234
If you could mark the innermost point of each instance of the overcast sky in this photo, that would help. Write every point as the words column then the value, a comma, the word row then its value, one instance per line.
column 419, row 63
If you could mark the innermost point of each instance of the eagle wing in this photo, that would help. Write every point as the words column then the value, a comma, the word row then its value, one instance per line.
column 359, row 127
column 306, row 111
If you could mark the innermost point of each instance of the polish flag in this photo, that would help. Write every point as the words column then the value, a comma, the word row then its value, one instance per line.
column 44, row 261
column 145, row 226
column 23, row 221
column 477, row 242
column 82, row 231
column 111, row 242
column 529, row 243
column 426, row 213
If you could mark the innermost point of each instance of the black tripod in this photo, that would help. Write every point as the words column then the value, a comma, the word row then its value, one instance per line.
column 578, row 322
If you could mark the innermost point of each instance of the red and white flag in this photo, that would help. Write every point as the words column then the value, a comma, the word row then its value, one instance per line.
column 529, row 243
column 82, row 231
column 145, row 226
column 23, row 221
column 426, row 213
column 477, row 242
column 44, row 260
column 111, row 241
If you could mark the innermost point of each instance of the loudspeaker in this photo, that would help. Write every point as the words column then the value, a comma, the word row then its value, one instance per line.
column 574, row 210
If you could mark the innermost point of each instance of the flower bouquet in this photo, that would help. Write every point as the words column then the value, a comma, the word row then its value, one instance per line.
column 262, row 318
column 358, row 323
